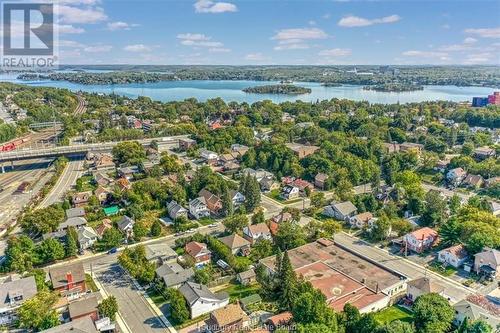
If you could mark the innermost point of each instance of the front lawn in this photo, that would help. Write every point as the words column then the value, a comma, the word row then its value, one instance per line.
column 275, row 194
column 393, row 313
column 237, row 291
column 90, row 283
column 441, row 269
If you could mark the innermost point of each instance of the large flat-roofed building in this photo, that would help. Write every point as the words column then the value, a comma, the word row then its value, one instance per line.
column 344, row 276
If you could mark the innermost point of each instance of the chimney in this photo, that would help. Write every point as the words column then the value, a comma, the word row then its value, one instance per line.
column 69, row 278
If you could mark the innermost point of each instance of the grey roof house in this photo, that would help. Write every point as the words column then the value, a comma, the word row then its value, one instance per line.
column 201, row 300
column 14, row 292
column 173, row 275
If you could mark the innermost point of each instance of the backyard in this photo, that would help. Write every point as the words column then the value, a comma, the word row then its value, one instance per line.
column 393, row 313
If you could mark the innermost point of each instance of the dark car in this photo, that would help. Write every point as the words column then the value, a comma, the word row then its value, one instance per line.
column 113, row 250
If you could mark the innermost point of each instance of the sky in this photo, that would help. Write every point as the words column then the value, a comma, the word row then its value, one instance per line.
column 258, row 32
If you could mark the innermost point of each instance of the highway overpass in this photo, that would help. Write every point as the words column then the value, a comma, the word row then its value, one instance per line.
column 25, row 154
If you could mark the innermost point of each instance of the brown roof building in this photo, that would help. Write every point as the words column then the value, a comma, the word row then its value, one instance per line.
column 68, row 279
column 230, row 318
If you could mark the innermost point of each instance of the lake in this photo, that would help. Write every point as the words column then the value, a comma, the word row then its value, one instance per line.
column 232, row 91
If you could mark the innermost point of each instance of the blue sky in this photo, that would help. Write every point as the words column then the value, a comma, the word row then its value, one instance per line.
column 279, row 32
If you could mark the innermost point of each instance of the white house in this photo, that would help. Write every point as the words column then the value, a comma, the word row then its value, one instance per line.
column 421, row 239
column 87, row 237
column 360, row 220
column 341, row 211
column 422, row 286
column 454, row 256
column 289, row 192
column 472, row 311
column 126, row 225
column 175, row 210
column 237, row 198
column 208, row 155
column 198, row 208
column 456, row 176
column 201, row 300
column 255, row 232
column 14, row 291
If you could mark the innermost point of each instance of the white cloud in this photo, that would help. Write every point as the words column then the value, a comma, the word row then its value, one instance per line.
column 219, row 50
column 194, row 37
column 138, row 48
column 335, row 52
column 208, row 6
column 425, row 54
column 455, row 48
column 98, row 48
column 68, row 29
column 300, row 34
column 484, row 32
column 119, row 25
column 199, row 40
column 470, row 40
column 68, row 43
column 291, row 46
column 256, row 57
column 71, row 15
column 479, row 58
column 356, row 21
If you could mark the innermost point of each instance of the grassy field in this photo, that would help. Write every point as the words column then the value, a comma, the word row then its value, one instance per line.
column 440, row 269
column 237, row 291
column 90, row 283
column 394, row 313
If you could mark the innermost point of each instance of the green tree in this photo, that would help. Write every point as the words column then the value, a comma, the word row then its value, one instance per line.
column 235, row 223
column 140, row 230
column 288, row 291
column 204, row 275
column 258, row 216
column 312, row 313
column 317, row 199
column 178, row 306
column 50, row 250
column 19, row 255
column 351, row 317
column 111, row 238
column 397, row 326
column 435, row 209
column 479, row 326
column 156, row 228
column 381, row 228
column 262, row 248
column 71, row 242
column 289, row 236
column 38, row 313
column 42, row 220
column 108, row 307
column 227, row 202
column 130, row 152
column 433, row 314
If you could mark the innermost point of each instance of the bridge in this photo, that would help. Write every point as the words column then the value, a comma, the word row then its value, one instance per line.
column 25, row 154
column 45, row 125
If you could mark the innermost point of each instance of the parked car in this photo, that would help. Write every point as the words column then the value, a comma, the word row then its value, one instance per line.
column 113, row 250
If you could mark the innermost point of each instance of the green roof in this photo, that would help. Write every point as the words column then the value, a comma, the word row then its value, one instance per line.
column 252, row 299
column 112, row 210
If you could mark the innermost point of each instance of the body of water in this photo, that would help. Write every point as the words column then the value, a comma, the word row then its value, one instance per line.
column 232, row 91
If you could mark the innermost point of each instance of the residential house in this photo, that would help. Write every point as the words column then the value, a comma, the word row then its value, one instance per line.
column 282, row 217
column 102, row 179
column 76, row 222
column 126, row 226
column 422, row 286
column 75, row 212
column 494, row 208
column 209, row 156
column 477, row 308
column 199, row 252
column 254, row 232
column 230, row 318
column 454, row 256
column 198, row 208
column 483, row 153
column 487, row 263
column 279, row 320
column 289, row 192
column 173, row 275
column 320, row 180
column 82, row 325
column 240, row 149
column 456, row 176
column 341, row 211
column 249, row 301
column 213, row 202
column 87, row 237
column 14, row 291
column 201, row 300
column 83, row 307
column 237, row 244
column 68, row 279
column 360, row 220
column 391, row 147
column 246, row 277
column 128, row 172
column 303, row 185
column 268, row 184
column 237, row 198
column 81, row 199
column 175, row 210
column 101, row 228
column 102, row 194
column 490, row 182
column 185, row 144
column 473, row 181
column 302, row 150
column 160, row 253
column 104, row 162
column 421, row 240
column 123, row 184
column 259, row 174
column 413, row 147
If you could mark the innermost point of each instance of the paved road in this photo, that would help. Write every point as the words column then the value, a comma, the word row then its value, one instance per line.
column 454, row 290
column 73, row 171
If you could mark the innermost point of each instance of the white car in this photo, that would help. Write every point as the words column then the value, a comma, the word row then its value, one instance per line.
column 213, row 225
